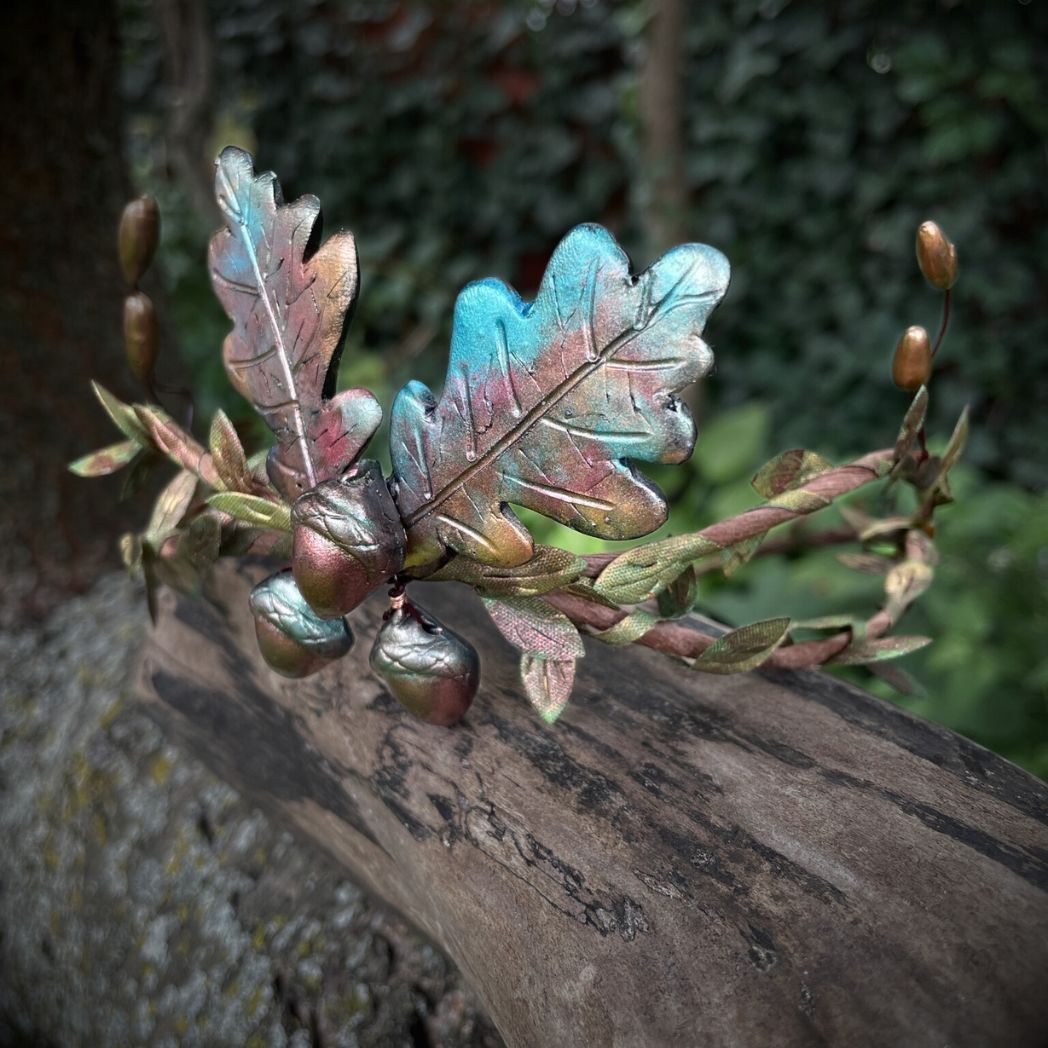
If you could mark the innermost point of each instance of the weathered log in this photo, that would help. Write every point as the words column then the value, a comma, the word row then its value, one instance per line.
column 777, row 858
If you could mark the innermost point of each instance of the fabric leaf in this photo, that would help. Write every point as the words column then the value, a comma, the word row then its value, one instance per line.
column 227, row 453
column 911, row 425
column 789, row 470
column 743, row 649
column 170, row 507
column 251, row 509
column 879, row 650
column 544, row 404
column 547, row 684
column 531, row 625
column 549, row 569
column 106, row 460
column 288, row 297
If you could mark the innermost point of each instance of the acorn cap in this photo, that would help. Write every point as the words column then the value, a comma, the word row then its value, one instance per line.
column 937, row 256
column 137, row 237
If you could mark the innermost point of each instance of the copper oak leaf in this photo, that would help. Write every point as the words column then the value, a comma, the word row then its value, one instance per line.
column 546, row 403
column 288, row 296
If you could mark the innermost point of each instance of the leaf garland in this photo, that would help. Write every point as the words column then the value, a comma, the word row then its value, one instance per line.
column 544, row 404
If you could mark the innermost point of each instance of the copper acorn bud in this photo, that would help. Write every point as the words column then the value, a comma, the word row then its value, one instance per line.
column 294, row 641
column 347, row 539
column 937, row 256
column 137, row 237
column 430, row 670
column 912, row 363
column 141, row 337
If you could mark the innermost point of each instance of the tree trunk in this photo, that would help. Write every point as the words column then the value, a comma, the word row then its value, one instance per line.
column 63, row 187
column 662, row 133
column 682, row 859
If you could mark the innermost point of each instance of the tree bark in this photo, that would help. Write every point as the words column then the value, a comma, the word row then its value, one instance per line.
column 682, row 859
column 63, row 187
column 662, row 133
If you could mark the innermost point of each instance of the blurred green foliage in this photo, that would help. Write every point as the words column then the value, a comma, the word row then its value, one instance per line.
column 461, row 140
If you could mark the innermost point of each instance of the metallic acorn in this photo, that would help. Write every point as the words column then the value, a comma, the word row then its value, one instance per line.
column 294, row 641
column 912, row 362
column 937, row 256
column 430, row 670
column 347, row 540
column 137, row 237
column 141, row 337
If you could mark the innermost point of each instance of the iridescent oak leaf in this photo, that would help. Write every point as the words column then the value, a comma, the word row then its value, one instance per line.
column 289, row 297
column 546, row 404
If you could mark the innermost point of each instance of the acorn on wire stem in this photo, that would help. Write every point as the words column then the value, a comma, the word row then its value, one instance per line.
column 431, row 671
column 912, row 362
column 137, row 237
column 937, row 256
column 293, row 639
column 347, row 539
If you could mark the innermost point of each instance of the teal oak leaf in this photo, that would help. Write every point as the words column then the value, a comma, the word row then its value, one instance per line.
column 546, row 404
column 289, row 297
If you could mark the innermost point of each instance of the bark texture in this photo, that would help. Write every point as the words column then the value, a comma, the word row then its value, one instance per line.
column 60, row 307
column 773, row 858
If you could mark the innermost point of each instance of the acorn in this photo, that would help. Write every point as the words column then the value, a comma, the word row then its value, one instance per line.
column 937, row 256
column 432, row 671
column 912, row 363
column 347, row 539
column 294, row 641
column 137, row 237
column 141, row 338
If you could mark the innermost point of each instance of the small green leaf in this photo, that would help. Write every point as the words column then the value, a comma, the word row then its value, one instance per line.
column 956, row 444
column 547, row 684
column 879, row 650
column 639, row 573
column 106, row 460
column 227, row 453
column 123, row 415
column 791, row 469
column 912, row 422
column 745, row 648
column 629, row 629
column 170, row 507
column 533, row 626
column 259, row 512
column 549, row 569
column 131, row 551
column 904, row 583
